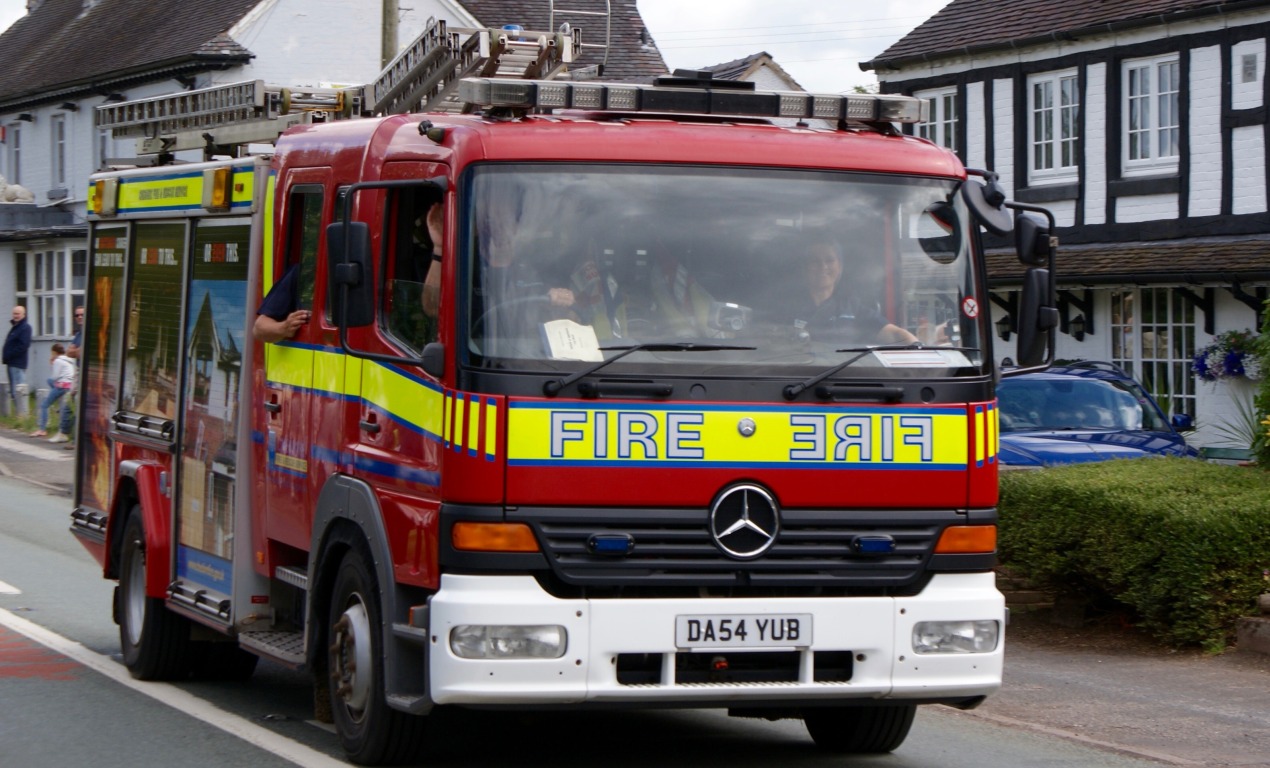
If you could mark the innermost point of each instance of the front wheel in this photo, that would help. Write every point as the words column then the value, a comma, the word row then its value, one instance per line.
column 155, row 641
column 371, row 732
column 868, row 729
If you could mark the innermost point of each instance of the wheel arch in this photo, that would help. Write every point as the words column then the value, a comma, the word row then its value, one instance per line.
column 348, row 510
column 141, row 484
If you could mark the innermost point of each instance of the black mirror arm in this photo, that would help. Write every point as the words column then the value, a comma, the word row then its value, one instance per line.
column 1048, row 319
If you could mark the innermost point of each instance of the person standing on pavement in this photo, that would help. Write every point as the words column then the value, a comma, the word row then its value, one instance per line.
column 17, row 349
column 60, row 384
column 77, row 341
column 66, row 423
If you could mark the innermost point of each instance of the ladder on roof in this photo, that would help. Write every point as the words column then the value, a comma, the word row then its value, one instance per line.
column 223, row 115
column 606, row 14
column 424, row 77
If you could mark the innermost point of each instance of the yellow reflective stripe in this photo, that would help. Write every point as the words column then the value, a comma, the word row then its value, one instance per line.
column 266, row 250
column 407, row 400
column 491, row 430
column 995, row 432
column 328, row 371
column 910, row 437
column 289, row 366
column 445, row 419
column 981, row 428
column 185, row 191
column 246, row 179
column 456, row 434
column 473, row 423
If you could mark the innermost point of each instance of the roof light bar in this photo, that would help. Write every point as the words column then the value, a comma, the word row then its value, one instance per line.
column 626, row 97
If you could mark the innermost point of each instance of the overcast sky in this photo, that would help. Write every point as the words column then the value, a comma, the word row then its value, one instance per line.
column 820, row 43
column 11, row 11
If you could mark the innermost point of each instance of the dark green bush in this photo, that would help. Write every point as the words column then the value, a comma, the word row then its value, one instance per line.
column 1181, row 543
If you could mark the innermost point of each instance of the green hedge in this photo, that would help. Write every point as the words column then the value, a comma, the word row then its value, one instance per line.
column 1183, row 544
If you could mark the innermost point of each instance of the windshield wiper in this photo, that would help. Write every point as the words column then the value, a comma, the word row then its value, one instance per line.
column 792, row 391
column 553, row 387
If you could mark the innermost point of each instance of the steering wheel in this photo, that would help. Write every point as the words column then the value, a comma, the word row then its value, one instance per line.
column 479, row 324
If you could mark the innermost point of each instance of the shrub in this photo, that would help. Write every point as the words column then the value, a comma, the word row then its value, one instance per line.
column 1261, row 352
column 1181, row 543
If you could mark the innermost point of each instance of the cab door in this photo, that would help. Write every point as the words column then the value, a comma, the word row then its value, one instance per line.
column 288, row 393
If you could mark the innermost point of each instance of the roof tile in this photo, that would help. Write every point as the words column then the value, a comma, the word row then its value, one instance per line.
column 59, row 44
column 983, row 24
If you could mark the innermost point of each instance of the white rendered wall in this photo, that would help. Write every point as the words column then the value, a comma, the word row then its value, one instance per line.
column 1146, row 208
column 1204, row 90
column 1003, row 122
column 976, row 127
column 1093, row 102
column 1248, row 145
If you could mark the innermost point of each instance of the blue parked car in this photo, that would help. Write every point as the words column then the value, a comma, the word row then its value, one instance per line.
column 1087, row 411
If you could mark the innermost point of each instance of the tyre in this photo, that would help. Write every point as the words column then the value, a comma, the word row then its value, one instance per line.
column 860, row 730
column 371, row 732
column 155, row 642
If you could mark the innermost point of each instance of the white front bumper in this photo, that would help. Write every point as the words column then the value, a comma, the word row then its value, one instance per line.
column 877, row 630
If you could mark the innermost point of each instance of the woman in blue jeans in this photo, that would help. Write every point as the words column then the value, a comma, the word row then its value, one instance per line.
column 60, row 384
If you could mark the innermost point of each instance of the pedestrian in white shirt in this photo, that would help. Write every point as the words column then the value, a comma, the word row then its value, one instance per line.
column 60, row 385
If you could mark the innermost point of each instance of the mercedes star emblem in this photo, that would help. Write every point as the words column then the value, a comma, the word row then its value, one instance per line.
column 744, row 521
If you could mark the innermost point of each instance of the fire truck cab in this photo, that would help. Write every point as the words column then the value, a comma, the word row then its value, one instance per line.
column 609, row 394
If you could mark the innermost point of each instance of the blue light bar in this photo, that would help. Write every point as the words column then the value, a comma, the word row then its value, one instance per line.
column 509, row 93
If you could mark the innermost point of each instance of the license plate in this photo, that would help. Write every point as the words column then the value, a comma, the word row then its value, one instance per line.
column 744, row 630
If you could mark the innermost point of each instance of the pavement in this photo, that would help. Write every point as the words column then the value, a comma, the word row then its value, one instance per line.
column 37, row 461
column 1101, row 685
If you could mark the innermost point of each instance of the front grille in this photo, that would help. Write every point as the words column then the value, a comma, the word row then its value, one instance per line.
column 674, row 548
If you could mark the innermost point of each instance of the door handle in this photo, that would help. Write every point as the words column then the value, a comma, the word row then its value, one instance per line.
column 273, row 406
column 370, row 424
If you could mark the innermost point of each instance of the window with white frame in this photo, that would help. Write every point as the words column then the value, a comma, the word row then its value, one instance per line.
column 57, row 133
column 50, row 284
column 941, row 119
column 1054, row 127
column 1153, row 338
column 1152, row 120
column 13, row 153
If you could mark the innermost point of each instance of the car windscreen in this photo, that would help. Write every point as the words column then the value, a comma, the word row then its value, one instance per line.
column 1030, row 404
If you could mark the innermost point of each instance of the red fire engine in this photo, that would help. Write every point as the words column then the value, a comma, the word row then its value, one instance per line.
column 685, row 399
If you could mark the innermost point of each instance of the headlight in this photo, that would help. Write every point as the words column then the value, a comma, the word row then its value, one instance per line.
column 496, row 641
column 956, row 636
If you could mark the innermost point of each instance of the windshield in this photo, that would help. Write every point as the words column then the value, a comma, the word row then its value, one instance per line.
column 1031, row 405
column 777, row 271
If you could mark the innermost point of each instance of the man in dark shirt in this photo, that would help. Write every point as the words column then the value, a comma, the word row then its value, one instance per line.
column 17, row 348
column 277, row 318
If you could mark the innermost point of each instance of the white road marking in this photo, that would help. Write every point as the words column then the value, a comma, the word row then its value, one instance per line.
column 9, row 589
column 174, row 697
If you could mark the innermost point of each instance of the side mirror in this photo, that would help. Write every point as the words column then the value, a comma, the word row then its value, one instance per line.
column 939, row 232
column 987, row 202
column 349, row 272
column 1032, row 240
column 1037, row 318
column 1183, row 422
column 434, row 359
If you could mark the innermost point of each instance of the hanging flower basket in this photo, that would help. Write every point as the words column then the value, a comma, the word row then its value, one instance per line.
column 1229, row 356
